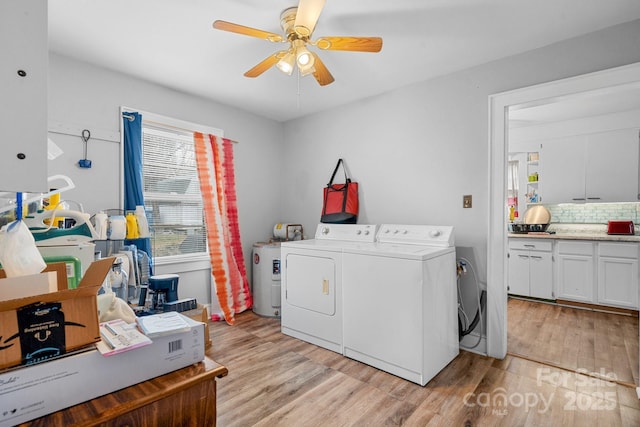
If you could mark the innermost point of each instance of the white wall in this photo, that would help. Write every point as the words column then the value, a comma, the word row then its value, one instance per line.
column 85, row 97
column 417, row 150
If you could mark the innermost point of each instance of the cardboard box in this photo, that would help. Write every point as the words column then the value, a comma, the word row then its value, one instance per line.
column 201, row 314
column 72, row 322
column 29, row 392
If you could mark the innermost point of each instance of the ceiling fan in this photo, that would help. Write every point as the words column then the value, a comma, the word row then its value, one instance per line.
column 298, row 24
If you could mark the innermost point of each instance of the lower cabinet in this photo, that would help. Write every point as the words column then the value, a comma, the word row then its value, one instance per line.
column 618, row 274
column 597, row 272
column 531, row 268
column 589, row 271
column 575, row 270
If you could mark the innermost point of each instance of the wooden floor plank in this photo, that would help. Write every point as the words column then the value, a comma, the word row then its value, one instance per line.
column 277, row 380
column 574, row 338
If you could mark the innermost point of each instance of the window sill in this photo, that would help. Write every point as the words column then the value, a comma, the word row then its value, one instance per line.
column 187, row 262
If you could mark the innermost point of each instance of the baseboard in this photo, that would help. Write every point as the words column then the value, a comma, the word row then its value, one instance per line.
column 596, row 307
column 581, row 305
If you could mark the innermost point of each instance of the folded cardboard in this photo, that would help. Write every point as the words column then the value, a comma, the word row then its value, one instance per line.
column 26, row 286
column 79, row 314
column 30, row 392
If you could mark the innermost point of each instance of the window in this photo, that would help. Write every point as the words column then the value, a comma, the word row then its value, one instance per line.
column 171, row 188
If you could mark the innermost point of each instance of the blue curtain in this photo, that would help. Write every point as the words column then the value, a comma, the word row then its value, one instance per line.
column 133, row 190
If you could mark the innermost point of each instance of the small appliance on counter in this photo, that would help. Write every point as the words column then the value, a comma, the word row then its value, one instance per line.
column 164, row 296
column 624, row 228
column 536, row 220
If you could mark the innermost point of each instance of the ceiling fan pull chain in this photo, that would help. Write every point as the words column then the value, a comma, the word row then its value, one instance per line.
column 298, row 90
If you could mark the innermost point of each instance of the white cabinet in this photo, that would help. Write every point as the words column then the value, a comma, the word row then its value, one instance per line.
column 612, row 166
column 531, row 268
column 618, row 274
column 23, row 85
column 599, row 167
column 598, row 272
column 562, row 169
column 575, row 270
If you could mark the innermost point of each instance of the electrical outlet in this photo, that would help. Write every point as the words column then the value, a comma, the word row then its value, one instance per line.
column 466, row 201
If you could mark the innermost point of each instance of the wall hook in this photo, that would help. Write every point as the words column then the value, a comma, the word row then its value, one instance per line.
column 85, row 163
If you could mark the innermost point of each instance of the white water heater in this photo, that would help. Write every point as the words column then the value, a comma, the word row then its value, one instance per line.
column 266, row 279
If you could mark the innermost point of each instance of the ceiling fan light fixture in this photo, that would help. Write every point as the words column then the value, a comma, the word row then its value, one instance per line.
column 287, row 63
column 305, row 61
column 303, row 56
column 306, row 70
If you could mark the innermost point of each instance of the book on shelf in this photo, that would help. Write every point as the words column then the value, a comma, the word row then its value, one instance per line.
column 119, row 336
column 157, row 325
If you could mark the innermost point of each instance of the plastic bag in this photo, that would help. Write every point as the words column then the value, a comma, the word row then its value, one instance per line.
column 111, row 307
column 19, row 254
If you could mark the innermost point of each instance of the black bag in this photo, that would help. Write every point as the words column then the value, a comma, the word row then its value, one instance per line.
column 340, row 201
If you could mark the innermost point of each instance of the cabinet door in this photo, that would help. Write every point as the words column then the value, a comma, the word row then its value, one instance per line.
column 541, row 275
column 519, row 272
column 562, row 162
column 23, row 85
column 575, row 277
column 611, row 172
column 618, row 282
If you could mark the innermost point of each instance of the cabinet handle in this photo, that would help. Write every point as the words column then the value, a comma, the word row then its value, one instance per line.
column 593, row 198
column 523, row 256
column 536, row 257
column 578, row 198
column 529, row 246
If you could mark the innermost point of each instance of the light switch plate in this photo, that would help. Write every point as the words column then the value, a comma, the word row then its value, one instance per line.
column 466, row 201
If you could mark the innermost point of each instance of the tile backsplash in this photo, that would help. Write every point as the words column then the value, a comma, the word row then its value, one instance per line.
column 593, row 213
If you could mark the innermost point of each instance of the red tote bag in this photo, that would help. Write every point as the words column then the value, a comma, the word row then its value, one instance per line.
column 340, row 201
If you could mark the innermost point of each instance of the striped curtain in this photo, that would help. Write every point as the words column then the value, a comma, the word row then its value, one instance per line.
column 215, row 166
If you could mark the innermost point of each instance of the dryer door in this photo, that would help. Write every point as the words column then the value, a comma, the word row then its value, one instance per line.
column 311, row 283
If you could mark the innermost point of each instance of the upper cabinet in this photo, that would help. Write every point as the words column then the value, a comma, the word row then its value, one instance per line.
column 599, row 167
column 23, row 85
column 611, row 166
column 562, row 168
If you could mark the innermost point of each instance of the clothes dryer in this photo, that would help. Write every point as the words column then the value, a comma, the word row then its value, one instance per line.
column 400, row 301
column 312, row 307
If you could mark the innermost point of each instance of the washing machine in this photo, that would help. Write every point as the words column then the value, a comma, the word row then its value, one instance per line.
column 312, row 283
column 266, row 279
column 400, row 302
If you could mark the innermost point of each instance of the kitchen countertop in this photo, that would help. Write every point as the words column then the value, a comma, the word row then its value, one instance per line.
column 578, row 232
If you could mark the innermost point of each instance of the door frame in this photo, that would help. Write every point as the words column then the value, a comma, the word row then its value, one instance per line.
column 498, row 162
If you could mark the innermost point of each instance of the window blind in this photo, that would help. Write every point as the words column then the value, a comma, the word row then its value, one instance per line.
column 172, row 192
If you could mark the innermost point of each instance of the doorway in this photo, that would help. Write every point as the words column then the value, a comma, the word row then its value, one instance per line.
column 499, row 105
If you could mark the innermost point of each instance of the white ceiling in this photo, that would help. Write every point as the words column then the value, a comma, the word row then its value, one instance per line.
column 172, row 43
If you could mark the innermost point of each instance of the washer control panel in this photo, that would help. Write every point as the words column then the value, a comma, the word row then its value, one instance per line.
column 433, row 235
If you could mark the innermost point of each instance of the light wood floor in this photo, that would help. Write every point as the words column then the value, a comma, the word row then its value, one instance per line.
column 574, row 338
column 276, row 380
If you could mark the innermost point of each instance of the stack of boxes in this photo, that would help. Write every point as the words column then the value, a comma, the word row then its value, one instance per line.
column 48, row 357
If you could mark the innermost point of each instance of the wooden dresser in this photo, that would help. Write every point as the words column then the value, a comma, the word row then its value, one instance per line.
column 186, row 397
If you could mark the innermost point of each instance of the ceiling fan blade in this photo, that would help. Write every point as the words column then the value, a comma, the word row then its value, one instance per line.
column 307, row 15
column 265, row 64
column 322, row 75
column 354, row 44
column 247, row 31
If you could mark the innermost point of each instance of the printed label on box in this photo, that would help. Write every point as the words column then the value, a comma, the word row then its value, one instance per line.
column 42, row 334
